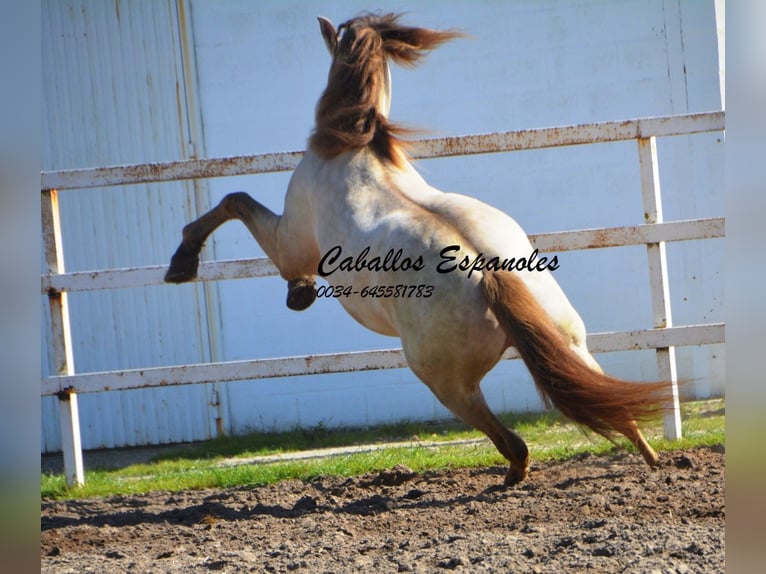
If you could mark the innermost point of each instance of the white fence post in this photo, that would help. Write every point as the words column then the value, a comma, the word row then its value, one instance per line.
column 658, row 279
column 62, row 341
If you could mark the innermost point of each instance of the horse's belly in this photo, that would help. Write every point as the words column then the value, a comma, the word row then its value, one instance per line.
column 357, row 292
column 369, row 314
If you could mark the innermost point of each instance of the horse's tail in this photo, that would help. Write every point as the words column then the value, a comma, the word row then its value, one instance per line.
column 602, row 403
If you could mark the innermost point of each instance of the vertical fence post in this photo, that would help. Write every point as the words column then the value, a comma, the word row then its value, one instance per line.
column 62, row 341
column 658, row 279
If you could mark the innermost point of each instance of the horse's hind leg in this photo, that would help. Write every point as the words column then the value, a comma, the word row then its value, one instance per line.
column 630, row 428
column 634, row 435
column 473, row 410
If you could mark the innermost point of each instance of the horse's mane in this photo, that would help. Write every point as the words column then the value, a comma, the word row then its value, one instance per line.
column 346, row 116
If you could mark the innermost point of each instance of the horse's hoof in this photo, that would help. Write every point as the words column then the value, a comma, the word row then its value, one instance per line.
column 183, row 266
column 301, row 293
column 650, row 456
column 515, row 476
column 652, row 461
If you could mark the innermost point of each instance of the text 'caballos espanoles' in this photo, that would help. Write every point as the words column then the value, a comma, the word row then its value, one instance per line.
column 450, row 261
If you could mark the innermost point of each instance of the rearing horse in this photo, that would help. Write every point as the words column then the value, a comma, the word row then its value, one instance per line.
column 358, row 212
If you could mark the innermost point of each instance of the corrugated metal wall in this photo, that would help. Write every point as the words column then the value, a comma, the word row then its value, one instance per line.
column 114, row 93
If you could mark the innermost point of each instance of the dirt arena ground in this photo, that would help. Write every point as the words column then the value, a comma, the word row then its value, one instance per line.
column 589, row 514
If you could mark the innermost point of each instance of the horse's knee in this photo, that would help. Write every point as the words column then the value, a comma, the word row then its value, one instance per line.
column 301, row 293
column 237, row 204
column 235, row 198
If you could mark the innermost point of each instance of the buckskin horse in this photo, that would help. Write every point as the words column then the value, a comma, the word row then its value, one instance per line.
column 451, row 276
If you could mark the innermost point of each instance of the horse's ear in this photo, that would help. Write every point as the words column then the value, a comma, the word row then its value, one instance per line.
column 328, row 33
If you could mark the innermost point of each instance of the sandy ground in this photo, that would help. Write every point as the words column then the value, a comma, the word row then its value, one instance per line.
column 589, row 514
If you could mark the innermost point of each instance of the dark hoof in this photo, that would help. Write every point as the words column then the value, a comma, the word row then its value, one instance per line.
column 301, row 293
column 515, row 476
column 183, row 266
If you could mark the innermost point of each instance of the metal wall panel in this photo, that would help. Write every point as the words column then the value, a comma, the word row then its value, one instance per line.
column 115, row 92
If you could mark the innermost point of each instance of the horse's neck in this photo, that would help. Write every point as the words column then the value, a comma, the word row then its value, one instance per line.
column 362, row 179
column 385, row 96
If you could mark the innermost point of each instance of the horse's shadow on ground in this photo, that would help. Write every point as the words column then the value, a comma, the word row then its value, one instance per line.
column 213, row 509
column 216, row 507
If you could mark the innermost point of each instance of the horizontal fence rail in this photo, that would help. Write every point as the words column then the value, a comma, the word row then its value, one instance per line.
column 422, row 149
column 346, row 362
column 685, row 230
column 57, row 283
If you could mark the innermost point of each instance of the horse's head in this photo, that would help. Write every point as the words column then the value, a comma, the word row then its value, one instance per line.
column 353, row 110
column 356, row 48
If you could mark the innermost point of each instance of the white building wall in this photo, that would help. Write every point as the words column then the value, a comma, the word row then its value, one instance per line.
column 261, row 67
column 113, row 93
column 526, row 64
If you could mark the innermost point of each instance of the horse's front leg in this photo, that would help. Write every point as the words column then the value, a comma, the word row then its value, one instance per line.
column 264, row 226
column 301, row 293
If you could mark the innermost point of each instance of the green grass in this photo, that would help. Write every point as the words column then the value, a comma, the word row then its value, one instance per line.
column 548, row 435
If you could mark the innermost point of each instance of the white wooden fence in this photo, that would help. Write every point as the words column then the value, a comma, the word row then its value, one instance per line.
column 66, row 384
